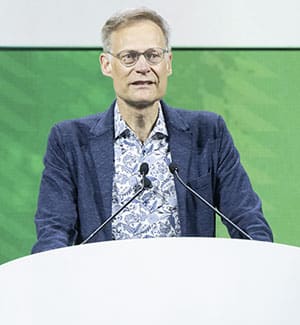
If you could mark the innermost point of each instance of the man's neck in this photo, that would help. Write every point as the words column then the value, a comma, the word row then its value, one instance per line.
column 140, row 120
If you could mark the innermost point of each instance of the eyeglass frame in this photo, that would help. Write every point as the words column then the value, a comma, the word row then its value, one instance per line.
column 164, row 51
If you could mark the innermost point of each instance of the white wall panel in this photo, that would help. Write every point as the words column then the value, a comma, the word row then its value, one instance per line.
column 241, row 23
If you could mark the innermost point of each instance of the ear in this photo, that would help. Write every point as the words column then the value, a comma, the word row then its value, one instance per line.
column 169, row 63
column 105, row 64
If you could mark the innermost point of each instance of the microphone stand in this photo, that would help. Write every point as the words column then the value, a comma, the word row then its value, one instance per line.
column 174, row 170
column 146, row 183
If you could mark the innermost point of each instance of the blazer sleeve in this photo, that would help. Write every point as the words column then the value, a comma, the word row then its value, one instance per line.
column 234, row 194
column 56, row 214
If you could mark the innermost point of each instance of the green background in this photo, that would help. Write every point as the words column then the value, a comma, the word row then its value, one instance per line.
column 256, row 91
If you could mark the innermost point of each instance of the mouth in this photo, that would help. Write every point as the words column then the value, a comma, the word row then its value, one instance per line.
column 142, row 83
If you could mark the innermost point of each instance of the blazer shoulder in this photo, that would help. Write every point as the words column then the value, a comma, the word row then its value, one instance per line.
column 78, row 131
column 198, row 115
column 205, row 122
column 86, row 122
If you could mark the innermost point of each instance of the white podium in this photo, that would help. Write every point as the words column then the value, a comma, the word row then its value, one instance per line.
column 154, row 281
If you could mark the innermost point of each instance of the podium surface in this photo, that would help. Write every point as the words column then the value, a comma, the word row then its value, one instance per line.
column 154, row 281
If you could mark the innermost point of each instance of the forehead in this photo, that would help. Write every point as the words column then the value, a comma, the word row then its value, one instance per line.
column 139, row 35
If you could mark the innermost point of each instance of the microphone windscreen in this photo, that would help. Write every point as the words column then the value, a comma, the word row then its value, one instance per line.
column 144, row 168
column 173, row 168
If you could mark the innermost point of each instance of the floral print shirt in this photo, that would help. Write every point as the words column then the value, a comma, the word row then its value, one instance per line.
column 155, row 212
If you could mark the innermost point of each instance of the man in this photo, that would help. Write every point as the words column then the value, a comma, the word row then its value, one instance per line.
column 92, row 164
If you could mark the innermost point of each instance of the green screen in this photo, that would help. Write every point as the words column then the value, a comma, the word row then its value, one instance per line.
column 256, row 91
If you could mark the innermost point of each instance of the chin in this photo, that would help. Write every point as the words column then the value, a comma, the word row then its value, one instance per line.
column 141, row 103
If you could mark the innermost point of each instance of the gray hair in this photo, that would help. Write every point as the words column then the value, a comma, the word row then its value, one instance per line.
column 129, row 17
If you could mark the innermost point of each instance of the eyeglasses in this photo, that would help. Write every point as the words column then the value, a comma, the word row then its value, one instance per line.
column 130, row 57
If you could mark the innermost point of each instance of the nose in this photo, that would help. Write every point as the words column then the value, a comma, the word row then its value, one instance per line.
column 142, row 65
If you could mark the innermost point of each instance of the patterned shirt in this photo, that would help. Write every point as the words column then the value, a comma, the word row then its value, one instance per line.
column 154, row 213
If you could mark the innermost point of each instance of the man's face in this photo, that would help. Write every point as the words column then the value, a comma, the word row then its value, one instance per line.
column 142, row 84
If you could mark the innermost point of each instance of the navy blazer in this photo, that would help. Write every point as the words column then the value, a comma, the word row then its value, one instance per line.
column 76, row 186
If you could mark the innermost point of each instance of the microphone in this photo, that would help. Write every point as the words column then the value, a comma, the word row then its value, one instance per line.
column 175, row 171
column 146, row 183
column 144, row 169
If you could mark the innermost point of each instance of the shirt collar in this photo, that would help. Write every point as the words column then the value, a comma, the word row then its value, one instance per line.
column 122, row 129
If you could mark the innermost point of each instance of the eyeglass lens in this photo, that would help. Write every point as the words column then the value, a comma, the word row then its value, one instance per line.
column 153, row 56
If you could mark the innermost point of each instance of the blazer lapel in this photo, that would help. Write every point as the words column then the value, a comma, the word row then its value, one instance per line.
column 180, row 144
column 102, row 151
